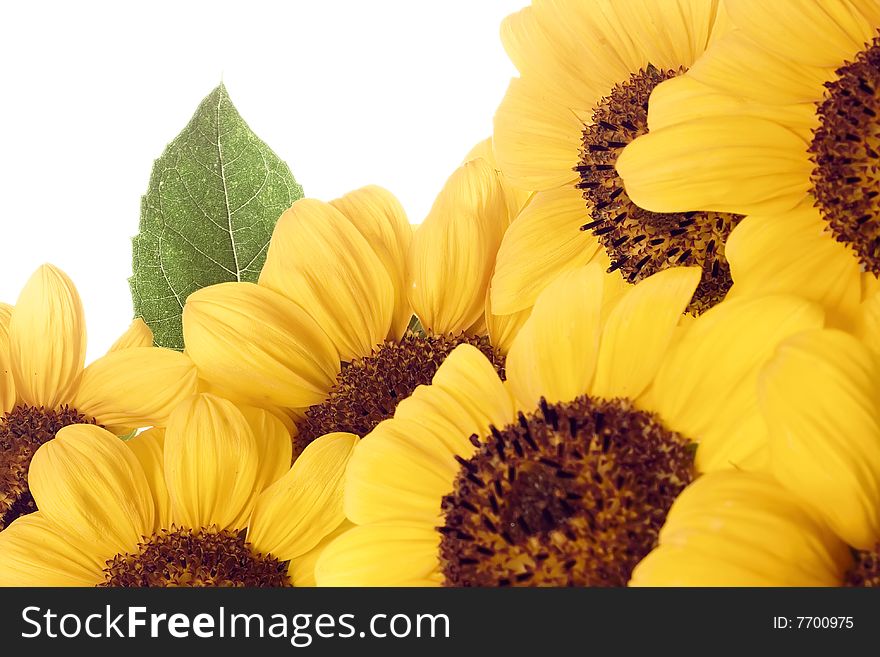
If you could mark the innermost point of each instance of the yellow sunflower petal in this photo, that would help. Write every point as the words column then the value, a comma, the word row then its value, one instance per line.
column 536, row 142
column 402, row 470
column 259, row 345
column 738, row 164
column 811, row 264
column 381, row 219
column 273, row 445
column 405, row 465
column 482, row 149
column 479, row 327
column 554, row 354
column 668, row 34
column 742, row 529
column 89, row 485
column 707, row 388
column 384, row 554
column 870, row 285
column 318, row 259
column 578, row 50
column 543, row 50
column 453, row 251
column 138, row 334
column 870, row 10
column 149, row 448
column 543, row 242
column 35, row 553
column 740, row 68
column 685, row 98
column 516, row 197
column 7, row 382
column 47, row 339
column 867, row 326
column 297, row 511
column 570, row 55
column 211, row 463
column 819, row 33
column 820, row 395
column 302, row 569
column 138, row 387
column 503, row 329
column 465, row 393
column 288, row 417
column 638, row 331
column 614, row 285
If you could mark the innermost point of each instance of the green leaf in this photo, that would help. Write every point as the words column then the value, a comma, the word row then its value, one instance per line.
column 415, row 326
column 212, row 203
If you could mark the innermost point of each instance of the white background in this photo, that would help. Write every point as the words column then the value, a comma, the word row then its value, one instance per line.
column 347, row 92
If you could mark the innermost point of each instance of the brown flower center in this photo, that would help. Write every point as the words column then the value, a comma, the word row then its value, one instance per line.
column 638, row 242
column 573, row 495
column 845, row 152
column 184, row 557
column 368, row 390
column 866, row 569
column 22, row 431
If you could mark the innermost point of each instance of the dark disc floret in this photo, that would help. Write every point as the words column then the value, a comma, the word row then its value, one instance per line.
column 196, row 558
column 368, row 390
column 572, row 495
column 845, row 152
column 22, row 431
column 865, row 571
column 639, row 242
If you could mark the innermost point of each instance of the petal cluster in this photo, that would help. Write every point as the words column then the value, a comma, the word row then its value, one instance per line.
column 633, row 342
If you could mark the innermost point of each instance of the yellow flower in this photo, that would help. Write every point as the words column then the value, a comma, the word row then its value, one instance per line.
column 44, row 385
column 516, row 198
column 564, row 473
column 777, row 121
column 824, row 436
column 324, row 333
column 168, row 507
column 586, row 71
column 501, row 328
column 742, row 529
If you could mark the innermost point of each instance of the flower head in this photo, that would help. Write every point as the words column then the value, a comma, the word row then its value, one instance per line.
column 564, row 473
column 168, row 508
column 44, row 385
column 777, row 122
column 324, row 333
column 743, row 529
column 586, row 70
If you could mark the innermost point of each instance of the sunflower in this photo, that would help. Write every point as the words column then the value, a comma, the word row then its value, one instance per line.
column 586, row 71
column 324, row 333
column 744, row 529
column 564, row 473
column 44, row 386
column 793, row 524
column 170, row 508
column 501, row 328
column 777, row 121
